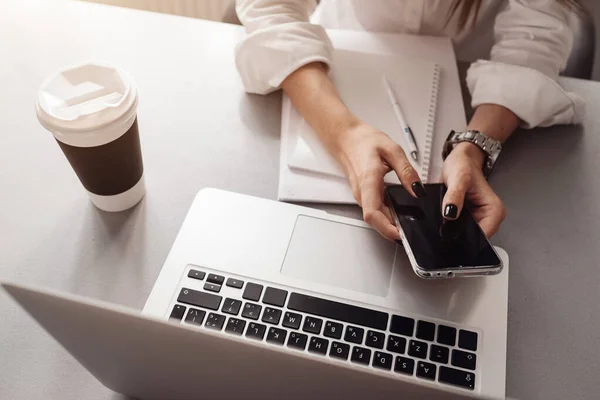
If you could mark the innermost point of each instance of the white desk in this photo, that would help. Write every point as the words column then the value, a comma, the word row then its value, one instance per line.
column 200, row 129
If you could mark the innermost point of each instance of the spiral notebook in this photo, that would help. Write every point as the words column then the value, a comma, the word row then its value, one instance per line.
column 358, row 78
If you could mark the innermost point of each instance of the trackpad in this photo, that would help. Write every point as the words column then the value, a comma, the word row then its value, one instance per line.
column 341, row 255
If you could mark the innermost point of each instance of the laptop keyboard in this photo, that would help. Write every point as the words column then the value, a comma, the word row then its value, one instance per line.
column 326, row 328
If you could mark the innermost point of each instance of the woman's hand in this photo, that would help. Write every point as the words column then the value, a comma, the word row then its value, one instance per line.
column 463, row 176
column 367, row 155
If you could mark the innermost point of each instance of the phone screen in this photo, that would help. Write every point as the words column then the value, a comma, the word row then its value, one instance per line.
column 436, row 243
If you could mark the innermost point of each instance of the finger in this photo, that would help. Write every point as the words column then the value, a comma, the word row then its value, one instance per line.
column 381, row 224
column 491, row 221
column 491, row 215
column 355, row 188
column 388, row 214
column 458, row 184
column 489, row 226
column 372, row 204
column 408, row 176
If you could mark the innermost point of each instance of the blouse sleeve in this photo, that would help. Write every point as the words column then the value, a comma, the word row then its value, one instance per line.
column 280, row 40
column 533, row 42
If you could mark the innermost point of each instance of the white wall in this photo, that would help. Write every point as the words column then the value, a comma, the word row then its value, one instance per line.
column 205, row 9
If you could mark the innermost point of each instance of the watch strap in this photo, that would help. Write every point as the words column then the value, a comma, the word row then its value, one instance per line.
column 491, row 147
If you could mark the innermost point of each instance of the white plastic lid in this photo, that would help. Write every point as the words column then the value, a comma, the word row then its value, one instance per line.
column 88, row 104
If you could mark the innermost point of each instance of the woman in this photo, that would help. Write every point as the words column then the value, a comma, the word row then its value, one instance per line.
column 517, row 87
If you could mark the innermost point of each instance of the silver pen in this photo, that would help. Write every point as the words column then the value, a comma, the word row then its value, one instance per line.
column 414, row 152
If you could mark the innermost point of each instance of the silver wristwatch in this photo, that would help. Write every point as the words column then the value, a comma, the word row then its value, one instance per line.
column 491, row 147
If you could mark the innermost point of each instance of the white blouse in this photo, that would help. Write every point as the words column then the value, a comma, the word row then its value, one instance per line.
column 532, row 42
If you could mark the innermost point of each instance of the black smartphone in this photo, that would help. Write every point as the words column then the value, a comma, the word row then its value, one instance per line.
column 438, row 248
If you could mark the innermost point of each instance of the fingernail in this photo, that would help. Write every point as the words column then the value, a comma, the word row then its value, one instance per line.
column 451, row 211
column 418, row 189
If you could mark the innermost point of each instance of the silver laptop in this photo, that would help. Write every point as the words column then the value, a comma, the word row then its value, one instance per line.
column 260, row 299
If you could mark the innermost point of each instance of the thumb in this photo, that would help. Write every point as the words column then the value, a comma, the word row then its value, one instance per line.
column 454, row 199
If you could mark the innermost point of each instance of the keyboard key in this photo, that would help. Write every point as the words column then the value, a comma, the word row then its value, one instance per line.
column 235, row 283
column 402, row 325
column 425, row 330
column 275, row 297
column 292, row 320
column 271, row 315
column 396, row 344
column 340, row 311
column 426, row 370
column 252, row 291
column 375, row 339
column 199, row 299
column 439, row 354
column 456, row 377
column 417, row 349
column 297, row 340
column 195, row 316
column 318, row 345
column 467, row 340
column 404, row 365
column 276, row 336
column 382, row 360
column 464, row 360
column 339, row 350
column 216, row 279
column 231, row 306
column 256, row 331
column 251, row 310
column 177, row 312
column 195, row 274
column 235, row 326
column 361, row 355
column 446, row 335
column 333, row 330
column 354, row 334
column 211, row 287
column 215, row 321
column 312, row 325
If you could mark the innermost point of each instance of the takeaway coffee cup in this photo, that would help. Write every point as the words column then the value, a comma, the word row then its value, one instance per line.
column 91, row 109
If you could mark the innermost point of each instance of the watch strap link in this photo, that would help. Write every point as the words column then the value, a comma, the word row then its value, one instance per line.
column 489, row 146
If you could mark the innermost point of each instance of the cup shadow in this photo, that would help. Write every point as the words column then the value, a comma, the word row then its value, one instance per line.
column 108, row 241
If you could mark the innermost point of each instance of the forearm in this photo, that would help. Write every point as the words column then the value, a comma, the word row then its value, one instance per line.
column 316, row 98
column 496, row 122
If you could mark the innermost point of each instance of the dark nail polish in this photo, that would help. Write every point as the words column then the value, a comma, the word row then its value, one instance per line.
column 418, row 189
column 451, row 211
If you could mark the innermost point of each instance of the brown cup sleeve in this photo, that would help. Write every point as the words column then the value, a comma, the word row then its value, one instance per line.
column 111, row 168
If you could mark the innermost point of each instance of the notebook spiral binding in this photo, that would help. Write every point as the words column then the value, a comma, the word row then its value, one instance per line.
column 426, row 161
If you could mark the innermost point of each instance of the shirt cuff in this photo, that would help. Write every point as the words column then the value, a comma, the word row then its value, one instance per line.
column 534, row 97
column 267, row 56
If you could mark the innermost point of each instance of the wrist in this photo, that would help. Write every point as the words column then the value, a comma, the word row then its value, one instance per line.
column 316, row 98
column 472, row 152
column 495, row 121
column 341, row 132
